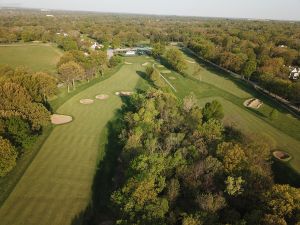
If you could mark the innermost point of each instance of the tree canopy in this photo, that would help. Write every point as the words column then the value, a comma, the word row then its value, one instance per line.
column 180, row 167
column 8, row 157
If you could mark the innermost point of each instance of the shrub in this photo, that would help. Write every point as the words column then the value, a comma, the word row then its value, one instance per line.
column 115, row 60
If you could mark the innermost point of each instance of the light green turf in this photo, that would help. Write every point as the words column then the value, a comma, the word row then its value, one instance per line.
column 37, row 57
column 57, row 185
column 209, row 84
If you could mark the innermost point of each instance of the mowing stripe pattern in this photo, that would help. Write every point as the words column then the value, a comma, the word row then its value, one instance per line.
column 57, row 185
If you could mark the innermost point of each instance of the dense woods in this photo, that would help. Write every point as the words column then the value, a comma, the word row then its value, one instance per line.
column 180, row 165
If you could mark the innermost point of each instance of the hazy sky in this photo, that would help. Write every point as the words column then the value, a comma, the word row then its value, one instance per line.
column 265, row 9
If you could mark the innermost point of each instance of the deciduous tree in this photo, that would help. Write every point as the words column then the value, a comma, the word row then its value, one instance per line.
column 69, row 72
column 8, row 157
column 175, row 58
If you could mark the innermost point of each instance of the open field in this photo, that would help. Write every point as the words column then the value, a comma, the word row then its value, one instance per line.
column 37, row 57
column 56, row 187
column 209, row 84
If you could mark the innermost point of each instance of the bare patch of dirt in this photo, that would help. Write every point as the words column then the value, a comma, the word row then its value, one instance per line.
column 253, row 103
column 124, row 93
column 57, row 119
column 102, row 97
column 281, row 155
column 86, row 101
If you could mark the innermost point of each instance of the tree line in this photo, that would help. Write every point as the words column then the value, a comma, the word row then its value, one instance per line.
column 261, row 51
column 75, row 65
column 264, row 55
column 24, row 111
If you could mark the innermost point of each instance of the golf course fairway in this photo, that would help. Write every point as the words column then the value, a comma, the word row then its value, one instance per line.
column 56, row 187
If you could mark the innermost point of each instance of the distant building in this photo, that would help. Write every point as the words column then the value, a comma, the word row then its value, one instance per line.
column 294, row 73
column 133, row 51
column 282, row 46
column 64, row 34
column 121, row 50
column 143, row 50
column 130, row 53
column 96, row 46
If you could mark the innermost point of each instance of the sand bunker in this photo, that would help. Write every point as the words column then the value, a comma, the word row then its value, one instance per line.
column 128, row 63
column 189, row 61
column 145, row 64
column 60, row 119
column 102, row 97
column 253, row 103
column 284, row 156
column 165, row 71
column 172, row 78
column 86, row 101
column 124, row 93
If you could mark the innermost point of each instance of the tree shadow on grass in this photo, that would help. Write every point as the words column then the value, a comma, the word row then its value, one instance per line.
column 144, row 76
column 285, row 174
column 257, row 112
column 108, row 174
column 98, row 209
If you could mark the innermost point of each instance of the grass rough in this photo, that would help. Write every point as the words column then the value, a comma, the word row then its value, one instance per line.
column 37, row 57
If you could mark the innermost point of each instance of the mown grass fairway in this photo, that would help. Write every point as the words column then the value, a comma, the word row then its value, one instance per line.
column 37, row 57
column 209, row 84
column 56, row 187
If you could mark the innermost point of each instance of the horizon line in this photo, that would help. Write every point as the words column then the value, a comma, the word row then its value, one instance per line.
column 147, row 14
